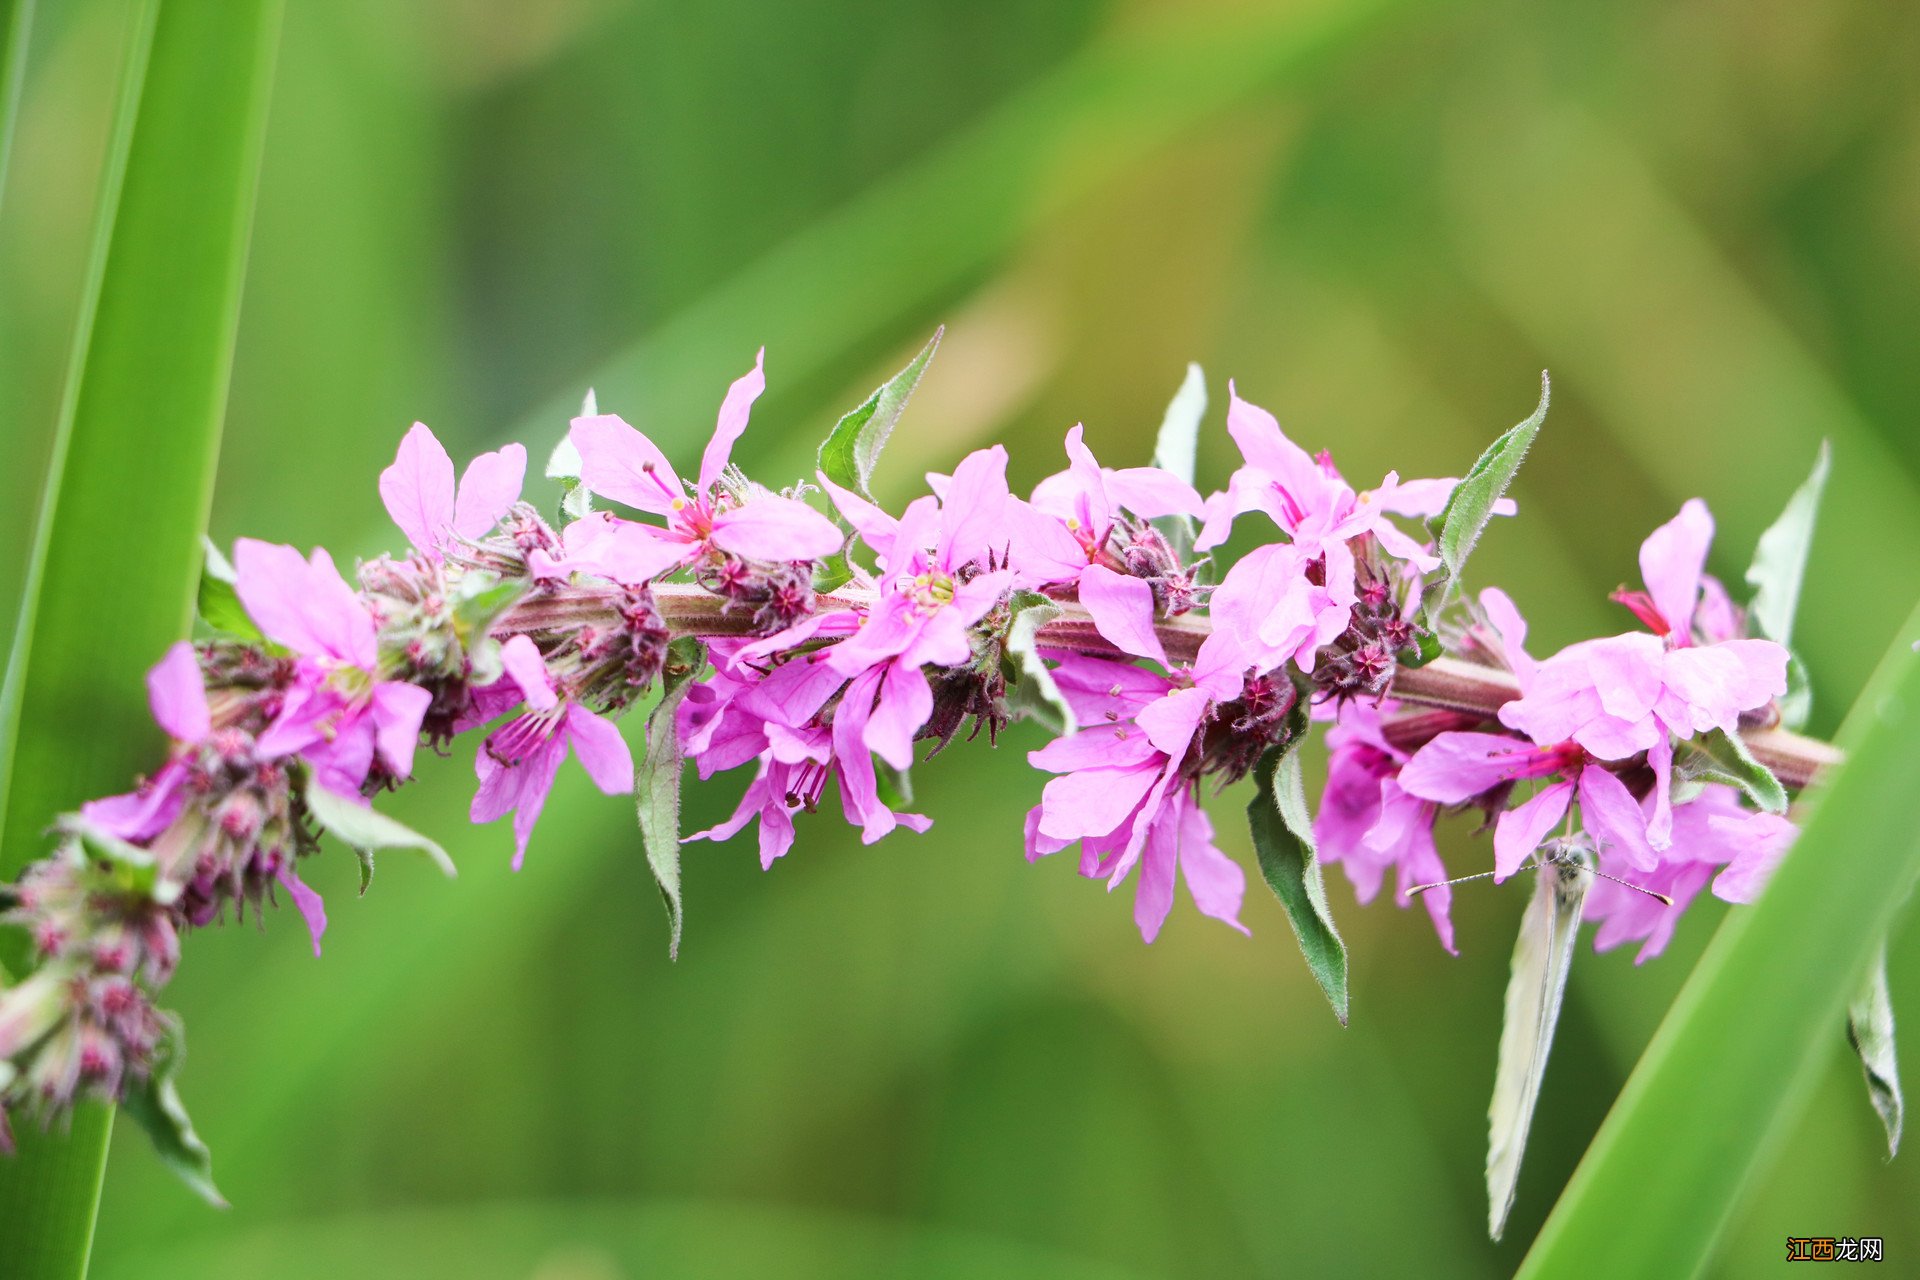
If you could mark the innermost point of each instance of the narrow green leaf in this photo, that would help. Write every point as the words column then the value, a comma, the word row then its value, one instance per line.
column 125, row 504
column 1743, row 1045
column 656, row 782
column 1031, row 692
column 1175, row 449
column 1735, row 764
column 852, row 448
column 1283, row 841
column 1780, row 558
column 16, row 30
column 154, row 1104
column 1467, row 512
column 895, row 786
column 1870, row 1032
column 368, row 831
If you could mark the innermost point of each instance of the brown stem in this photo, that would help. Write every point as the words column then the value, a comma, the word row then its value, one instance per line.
column 1447, row 684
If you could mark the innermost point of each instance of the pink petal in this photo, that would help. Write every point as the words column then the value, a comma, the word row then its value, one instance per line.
column 1671, row 561
column 1105, row 746
column 619, row 462
column 1613, row 818
column 1150, row 493
column 1660, row 826
column 1171, row 722
column 602, row 751
column 488, row 490
column 307, row 902
column 398, row 708
column 875, row 527
column 1092, row 802
column 1042, row 551
column 972, row 512
column 1217, row 883
column 1512, row 630
column 1153, row 895
column 1092, row 509
column 1521, row 829
column 271, row 581
column 905, row 703
column 733, row 420
column 528, row 670
column 1762, row 839
column 1455, row 767
column 1627, row 673
column 178, row 696
column 770, row 527
column 418, row 490
column 1122, row 610
column 1267, row 448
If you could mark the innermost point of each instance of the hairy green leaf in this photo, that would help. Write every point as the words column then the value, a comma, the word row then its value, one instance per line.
column 1743, row 1044
column 367, row 830
column 656, row 783
column 852, row 448
column 154, row 1103
column 1459, row 526
column 1733, row 763
column 1283, row 841
column 1031, row 692
column 1870, row 1032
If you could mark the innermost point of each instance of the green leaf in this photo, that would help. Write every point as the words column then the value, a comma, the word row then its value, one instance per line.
column 1426, row 647
column 1031, row 692
column 1870, row 1032
column 1778, row 569
column 895, row 786
column 129, row 477
column 219, row 603
column 1283, row 841
column 1733, row 763
column 1459, row 526
column 154, row 1104
column 832, row 573
column 656, row 782
column 1174, row 450
column 1744, row 1043
column 129, row 869
column 16, row 29
column 1780, row 558
column 367, row 831
column 852, row 448
column 482, row 599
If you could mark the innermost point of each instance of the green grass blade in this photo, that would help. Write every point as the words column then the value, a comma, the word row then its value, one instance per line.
column 116, row 555
column 1742, row 1045
column 16, row 27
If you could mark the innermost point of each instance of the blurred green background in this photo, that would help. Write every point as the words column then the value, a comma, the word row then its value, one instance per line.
column 927, row 1057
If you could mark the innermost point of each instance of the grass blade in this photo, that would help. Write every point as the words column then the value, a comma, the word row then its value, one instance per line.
column 16, row 27
column 1740, row 1049
column 116, row 554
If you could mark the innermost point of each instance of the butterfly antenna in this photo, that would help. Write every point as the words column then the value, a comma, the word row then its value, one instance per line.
column 1662, row 898
column 1419, row 889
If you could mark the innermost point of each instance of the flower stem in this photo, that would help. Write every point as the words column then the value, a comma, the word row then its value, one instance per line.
column 1448, row 684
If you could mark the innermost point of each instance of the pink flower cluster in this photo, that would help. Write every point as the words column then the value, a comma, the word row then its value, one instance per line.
column 538, row 638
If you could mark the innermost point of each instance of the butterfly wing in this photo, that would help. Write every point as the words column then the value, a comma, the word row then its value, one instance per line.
column 1534, row 992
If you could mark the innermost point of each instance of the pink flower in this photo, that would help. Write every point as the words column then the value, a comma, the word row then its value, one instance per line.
column 1126, row 793
column 420, row 494
column 1714, row 839
column 178, row 698
column 936, row 581
column 1369, row 823
column 1072, row 532
column 1627, row 694
column 338, row 714
column 719, row 513
column 519, row 761
column 1315, row 507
